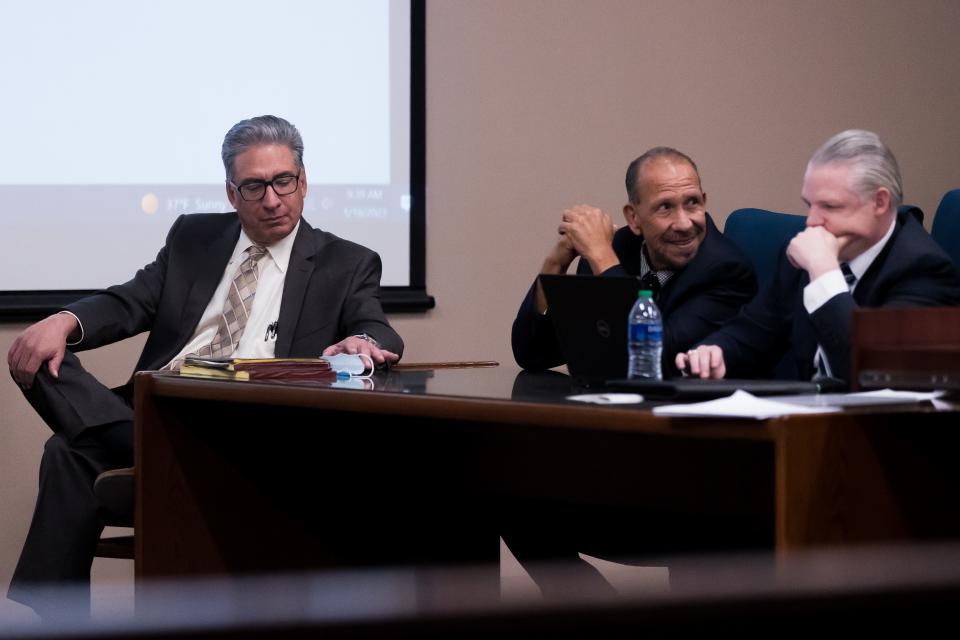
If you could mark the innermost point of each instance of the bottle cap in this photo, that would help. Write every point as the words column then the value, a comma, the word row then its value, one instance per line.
column 645, row 293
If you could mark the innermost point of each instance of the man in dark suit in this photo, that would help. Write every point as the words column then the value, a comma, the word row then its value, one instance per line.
column 312, row 293
column 855, row 251
column 699, row 278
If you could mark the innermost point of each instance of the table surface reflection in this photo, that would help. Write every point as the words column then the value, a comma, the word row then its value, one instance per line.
column 859, row 475
column 488, row 393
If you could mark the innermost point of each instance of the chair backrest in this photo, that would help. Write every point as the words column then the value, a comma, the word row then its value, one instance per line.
column 946, row 225
column 761, row 235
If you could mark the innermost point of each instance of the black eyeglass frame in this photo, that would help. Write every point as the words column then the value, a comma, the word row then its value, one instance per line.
column 267, row 183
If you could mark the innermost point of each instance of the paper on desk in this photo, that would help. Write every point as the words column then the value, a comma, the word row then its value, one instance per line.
column 918, row 396
column 877, row 398
column 740, row 404
column 608, row 398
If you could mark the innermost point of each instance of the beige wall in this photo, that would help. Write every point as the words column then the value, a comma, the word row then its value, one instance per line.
column 537, row 105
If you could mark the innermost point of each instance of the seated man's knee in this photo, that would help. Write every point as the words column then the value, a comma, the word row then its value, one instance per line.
column 62, row 460
column 57, row 447
column 43, row 389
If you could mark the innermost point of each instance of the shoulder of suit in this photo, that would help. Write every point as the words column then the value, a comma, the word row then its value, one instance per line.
column 626, row 241
column 914, row 261
column 209, row 219
column 326, row 241
column 627, row 245
column 203, row 226
column 625, row 237
column 910, row 239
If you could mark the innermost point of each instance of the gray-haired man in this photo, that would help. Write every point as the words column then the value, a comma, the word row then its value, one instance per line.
column 312, row 293
column 856, row 251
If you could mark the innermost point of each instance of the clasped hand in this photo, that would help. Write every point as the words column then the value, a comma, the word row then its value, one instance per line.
column 816, row 251
column 588, row 232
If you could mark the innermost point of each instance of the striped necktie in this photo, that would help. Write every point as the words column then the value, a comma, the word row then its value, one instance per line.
column 236, row 310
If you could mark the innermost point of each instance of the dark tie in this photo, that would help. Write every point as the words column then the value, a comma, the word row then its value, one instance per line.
column 851, row 280
column 651, row 283
column 848, row 275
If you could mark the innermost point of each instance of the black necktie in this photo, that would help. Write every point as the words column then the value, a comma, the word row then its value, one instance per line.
column 652, row 283
column 848, row 275
column 821, row 357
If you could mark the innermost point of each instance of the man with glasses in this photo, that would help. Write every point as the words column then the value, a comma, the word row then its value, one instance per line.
column 256, row 283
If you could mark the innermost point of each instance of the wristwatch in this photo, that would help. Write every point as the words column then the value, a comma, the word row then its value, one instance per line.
column 369, row 339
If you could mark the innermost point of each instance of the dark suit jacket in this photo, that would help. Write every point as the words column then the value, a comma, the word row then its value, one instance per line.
column 331, row 290
column 911, row 270
column 698, row 299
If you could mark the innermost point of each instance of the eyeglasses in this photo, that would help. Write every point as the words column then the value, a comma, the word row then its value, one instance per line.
column 254, row 191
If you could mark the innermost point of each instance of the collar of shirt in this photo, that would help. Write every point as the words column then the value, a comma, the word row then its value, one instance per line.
column 663, row 275
column 820, row 290
column 862, row 262
column 279, row 251
column 258, row 340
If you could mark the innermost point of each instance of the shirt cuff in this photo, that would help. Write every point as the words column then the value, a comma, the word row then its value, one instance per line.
column 79, row 326
column 817, row 293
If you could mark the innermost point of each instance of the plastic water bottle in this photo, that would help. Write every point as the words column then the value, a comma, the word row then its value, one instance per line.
column 644, row 338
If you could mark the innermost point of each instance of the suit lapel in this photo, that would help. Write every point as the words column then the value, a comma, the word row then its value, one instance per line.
column 863, row 293
column 210, row 262
column 299, row 270
column 804, row 333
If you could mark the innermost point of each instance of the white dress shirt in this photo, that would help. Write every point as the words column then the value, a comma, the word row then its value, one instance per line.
column 832, row 283
column 259, row 336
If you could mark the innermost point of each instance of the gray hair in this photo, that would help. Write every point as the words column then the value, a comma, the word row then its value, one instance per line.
column 257, row 131
column 633, row 171
column 871, row 160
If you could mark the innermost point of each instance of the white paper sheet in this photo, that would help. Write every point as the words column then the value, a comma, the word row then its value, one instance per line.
column 740, row 404
column 918, row 396
column 608, row 398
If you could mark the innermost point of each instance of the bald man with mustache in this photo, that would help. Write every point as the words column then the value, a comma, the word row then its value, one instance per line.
column 669, row 243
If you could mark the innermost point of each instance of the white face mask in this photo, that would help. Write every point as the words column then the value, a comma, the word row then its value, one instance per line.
column 358, row 365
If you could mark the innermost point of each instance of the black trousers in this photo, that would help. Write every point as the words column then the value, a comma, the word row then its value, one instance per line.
column 92, row 432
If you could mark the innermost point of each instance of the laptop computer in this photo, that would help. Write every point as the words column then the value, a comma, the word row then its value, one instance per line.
column 697, row 389
column 589, row 315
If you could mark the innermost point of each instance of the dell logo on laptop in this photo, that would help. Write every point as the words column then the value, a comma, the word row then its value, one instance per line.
column 603, row 328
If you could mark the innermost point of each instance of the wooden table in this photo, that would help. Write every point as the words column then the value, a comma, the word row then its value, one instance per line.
column 243, row 477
